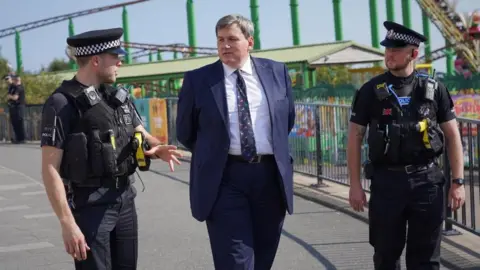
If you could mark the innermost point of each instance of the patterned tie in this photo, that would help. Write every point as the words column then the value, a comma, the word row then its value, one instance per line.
column 247, row 139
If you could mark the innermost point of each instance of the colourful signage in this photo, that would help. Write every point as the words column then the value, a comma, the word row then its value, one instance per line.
column 158, row 119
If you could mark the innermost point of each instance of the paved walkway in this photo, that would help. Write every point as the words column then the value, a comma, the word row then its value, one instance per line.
column 315, row 237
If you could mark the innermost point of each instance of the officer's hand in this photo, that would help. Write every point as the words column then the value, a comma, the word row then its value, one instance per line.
column 357, row 198
column 456, row 196
column 167, row 153
column 74, row 241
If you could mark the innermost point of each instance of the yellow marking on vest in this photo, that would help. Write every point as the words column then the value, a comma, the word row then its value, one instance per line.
column 381, row 85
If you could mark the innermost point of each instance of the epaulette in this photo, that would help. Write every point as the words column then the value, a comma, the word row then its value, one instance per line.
column 70, row 89
column 381, row 91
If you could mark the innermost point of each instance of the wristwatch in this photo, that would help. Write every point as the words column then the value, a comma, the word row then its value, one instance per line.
column 458, row 181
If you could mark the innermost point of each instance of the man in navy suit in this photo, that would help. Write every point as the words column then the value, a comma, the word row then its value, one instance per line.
column 235, row 116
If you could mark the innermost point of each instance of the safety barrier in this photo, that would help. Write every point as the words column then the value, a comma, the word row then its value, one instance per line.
column 318, row 143
column 468, row 217
column 32, row 121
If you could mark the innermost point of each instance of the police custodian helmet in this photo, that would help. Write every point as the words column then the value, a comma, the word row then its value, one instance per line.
column 96, row 42
column 400, row 36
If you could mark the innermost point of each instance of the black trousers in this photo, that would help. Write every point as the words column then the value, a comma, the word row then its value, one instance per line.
column 108, row 220
column 397, row 200
column 17, row 114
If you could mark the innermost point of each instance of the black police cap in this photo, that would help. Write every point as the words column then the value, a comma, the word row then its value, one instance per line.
column 401, row 36
column 9, row 76
column 96, row 42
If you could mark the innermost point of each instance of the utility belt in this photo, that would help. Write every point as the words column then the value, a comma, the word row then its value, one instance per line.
column 121, row 182
column 369, row 168
column 399, row 143
column 410, row 169
column 92, row 161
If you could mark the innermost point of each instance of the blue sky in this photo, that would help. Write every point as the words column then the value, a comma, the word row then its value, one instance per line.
column 164, row 22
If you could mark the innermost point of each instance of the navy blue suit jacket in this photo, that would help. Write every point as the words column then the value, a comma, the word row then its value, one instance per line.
column 203, row 128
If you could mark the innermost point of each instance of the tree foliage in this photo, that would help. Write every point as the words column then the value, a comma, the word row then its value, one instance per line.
column 58, row 64
column 333, row 75
column 37, row 86
column 4, row 70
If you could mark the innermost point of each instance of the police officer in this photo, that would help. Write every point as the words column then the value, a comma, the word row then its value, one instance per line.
column 16, row 107
column 91, row 136
column 409, row 116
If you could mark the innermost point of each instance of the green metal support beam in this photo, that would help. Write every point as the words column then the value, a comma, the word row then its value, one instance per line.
column 391, row 10
column 374, row 23
column 450, row 53
column 406, row 13
column 192, row 39
column 426, row 33
column 256, row 24
column 126, row 35
column 18, row 50
column 337, row 19
column 71, row 32
column 295, row 24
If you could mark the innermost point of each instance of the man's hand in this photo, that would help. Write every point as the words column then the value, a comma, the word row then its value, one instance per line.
column 357, row 198
column 456, row 196
column 74, row 241
column 167, row 153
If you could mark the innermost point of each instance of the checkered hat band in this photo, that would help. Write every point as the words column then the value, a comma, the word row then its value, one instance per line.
column 403, row 37
column 96, row 48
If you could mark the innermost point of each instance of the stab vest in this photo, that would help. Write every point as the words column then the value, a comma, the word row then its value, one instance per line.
column 98, row 150
column 404, row 130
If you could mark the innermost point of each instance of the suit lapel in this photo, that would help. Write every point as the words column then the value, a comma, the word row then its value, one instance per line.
column 265, row 74
column 217, row 86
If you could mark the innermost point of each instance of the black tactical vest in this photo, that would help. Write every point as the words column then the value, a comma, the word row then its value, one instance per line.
column 395, row 134
column 98, row 151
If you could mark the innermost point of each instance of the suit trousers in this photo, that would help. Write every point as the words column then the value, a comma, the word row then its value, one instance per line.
column 247, row 218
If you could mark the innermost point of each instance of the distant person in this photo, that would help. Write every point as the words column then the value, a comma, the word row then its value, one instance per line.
column 16, row 106
column 235, row 116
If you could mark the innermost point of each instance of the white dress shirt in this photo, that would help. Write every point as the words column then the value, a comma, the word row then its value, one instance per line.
column 258, row 105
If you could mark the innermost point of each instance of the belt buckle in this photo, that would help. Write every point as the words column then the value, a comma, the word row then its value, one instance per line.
column 409, row 169
column 256, row 159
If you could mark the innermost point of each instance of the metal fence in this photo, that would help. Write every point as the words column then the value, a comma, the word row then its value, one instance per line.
column 318, row 143
column 468, row 217
column 33, row 117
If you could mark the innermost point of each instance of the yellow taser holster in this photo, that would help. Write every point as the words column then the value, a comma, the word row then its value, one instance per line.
column 423, row 128
column 143, row 161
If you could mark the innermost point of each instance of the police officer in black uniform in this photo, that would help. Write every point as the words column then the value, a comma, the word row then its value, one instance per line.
column 92, row 142
column 410, row 117
column 16, row 107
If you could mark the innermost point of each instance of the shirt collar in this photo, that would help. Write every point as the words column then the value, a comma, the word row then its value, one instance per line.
column 247, row 68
